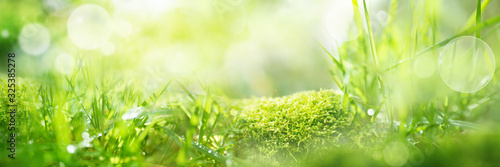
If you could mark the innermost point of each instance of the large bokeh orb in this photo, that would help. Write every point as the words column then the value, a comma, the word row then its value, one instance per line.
column 466, row 64
column 90, row 26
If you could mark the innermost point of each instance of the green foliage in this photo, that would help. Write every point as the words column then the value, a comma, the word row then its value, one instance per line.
column 290, row 126
column 27, row 116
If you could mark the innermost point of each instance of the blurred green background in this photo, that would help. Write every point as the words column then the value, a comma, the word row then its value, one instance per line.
column 247, row 48
column 406, row 68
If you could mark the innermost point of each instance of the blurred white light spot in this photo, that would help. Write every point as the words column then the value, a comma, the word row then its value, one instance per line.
column 180, row 60
column 85, row 135
column 108, row 48
column 245, row 61
column 370, row 112
column 55, row 7
column 64, row 63
column 132, row 113
column 150, row 8
column 466, row 64
column 5, row 33
column 34, row 39
column 71, row 148
column 382, row 15
column 238, row 26
column 89, row 26
column 86, row 139
column 424, row 66
column 122, row 28
column 339, row 22
column 396, row 154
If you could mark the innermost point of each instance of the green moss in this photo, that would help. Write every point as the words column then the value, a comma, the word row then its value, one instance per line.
column 27, row 118
column 277, row 129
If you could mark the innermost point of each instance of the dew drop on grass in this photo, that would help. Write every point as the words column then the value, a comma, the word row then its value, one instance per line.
column 209, row 151
column 85, row 135
column 370, row 112
column 132, row 113
column 34, row 39
column 71, row 148
column 466, row 64
column 89, row 26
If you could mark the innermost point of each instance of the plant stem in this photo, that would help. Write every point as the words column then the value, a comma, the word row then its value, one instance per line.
column 372, row 43
column 478, row 17
column 478, row 27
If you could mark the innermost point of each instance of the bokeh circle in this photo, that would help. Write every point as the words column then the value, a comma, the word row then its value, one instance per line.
column 90, row 26
column 34, row 39
column 466, row 64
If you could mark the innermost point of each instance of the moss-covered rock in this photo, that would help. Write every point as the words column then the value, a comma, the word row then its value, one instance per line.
column 273, row 130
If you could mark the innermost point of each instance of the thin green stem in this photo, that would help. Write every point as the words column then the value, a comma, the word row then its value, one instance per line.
column 478, row 27
column 372, row 42
column 478, row 17
column 470, row 22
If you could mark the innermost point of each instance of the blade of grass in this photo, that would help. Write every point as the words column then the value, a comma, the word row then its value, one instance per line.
column 334, row 60
column 470, row 22
column 187, row 91
column 478, row 17
column 154, row 97
column 481, row 26
column 205, row 114
column 372, row 42
column 198, row 147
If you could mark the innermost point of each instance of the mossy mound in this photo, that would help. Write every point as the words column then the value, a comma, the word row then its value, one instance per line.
column 273, row 130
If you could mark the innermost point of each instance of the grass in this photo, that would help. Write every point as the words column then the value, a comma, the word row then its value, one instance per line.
column 380, row 113
column 69, row 108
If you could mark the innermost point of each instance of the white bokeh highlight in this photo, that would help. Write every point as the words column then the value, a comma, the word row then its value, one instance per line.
column 71, row 148
column 34, row 39
column 466, row 64
column 5, row 33
column 64, row 63
column 340, row 22
column 108, row 49
column 90, row 26
column 424, row 66
column 122, row 27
